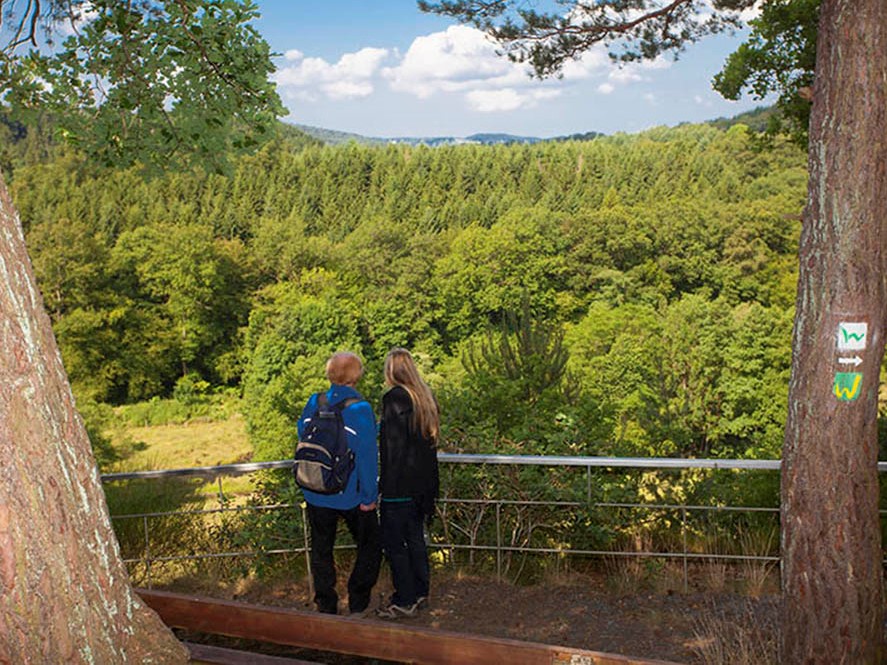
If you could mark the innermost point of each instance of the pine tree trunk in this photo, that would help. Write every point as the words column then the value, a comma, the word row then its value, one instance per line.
column 832, row 571
column 64, row 592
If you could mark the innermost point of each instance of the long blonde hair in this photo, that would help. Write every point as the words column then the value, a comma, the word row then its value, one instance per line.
column 401, row 370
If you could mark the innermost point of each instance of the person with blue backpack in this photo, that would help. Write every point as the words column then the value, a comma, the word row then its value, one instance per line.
column 336, row 465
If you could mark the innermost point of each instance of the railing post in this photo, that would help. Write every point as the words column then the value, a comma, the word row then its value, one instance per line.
column 303, row 505
column 147, row 551
column 498, row 543
column 684, row 547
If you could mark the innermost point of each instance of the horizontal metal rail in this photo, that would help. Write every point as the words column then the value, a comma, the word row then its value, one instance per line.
column 501, row 502
column 464, row 458
column 701, row 556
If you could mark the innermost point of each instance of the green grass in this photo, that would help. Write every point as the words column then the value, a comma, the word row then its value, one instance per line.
column 197, row 442
column 176, row 446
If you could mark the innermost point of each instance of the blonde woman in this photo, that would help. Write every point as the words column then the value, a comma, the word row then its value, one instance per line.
column 408, row 485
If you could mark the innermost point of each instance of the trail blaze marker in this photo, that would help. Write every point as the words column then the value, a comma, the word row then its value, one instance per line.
column 852, row 336
column 847, row 386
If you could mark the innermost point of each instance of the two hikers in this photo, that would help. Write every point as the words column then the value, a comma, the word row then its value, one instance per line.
column 408, row 433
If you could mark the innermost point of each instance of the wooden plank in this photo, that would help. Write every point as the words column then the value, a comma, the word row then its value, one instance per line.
column 363, row 637
column 204, row 653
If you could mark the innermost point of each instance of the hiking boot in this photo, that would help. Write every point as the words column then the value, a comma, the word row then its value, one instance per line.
column 392, row 611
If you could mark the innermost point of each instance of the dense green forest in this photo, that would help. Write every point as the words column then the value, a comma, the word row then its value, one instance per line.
column 627, row 295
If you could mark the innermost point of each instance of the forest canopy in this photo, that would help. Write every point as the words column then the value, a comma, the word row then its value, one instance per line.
column 661, row 267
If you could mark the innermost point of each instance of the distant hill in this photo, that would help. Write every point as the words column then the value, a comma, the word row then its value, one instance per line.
column 332, row 137
column 756, row 119
column 294, row 136
column 584, row 136
column 489, row 139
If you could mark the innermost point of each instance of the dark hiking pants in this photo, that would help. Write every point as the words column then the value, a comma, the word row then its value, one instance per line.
column 364, row 529
column 403, row 538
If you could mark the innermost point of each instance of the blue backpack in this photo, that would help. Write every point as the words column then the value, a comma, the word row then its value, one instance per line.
column 323, row 461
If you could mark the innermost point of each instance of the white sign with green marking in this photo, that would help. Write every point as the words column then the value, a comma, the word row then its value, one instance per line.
column 852, row 336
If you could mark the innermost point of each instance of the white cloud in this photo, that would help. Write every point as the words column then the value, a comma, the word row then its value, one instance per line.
column 351, row 77
column 458, row 61
column 507, row 99
column 746, row 15
column 633, row 72
column 462, row 60
column 490, row 101
column 348, row 89
column 625, row 75
column 709, row 99
column 707, row 10
column 594, row 62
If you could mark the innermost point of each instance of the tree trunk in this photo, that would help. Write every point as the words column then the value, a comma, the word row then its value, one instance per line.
column 831, row 543
column 64, row 592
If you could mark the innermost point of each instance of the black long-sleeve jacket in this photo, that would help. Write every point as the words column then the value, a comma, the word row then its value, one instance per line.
column 408, row 460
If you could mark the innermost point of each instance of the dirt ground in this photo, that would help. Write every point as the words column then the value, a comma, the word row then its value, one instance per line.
column 584, row 611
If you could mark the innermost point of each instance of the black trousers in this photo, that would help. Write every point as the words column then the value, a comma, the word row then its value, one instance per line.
column 364, row 529
column 403, row 537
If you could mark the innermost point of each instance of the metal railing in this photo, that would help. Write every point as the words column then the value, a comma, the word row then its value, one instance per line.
column 465, row 522
column 460, row 458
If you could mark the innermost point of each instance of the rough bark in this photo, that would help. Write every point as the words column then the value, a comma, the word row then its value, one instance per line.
column 64, row 592
column 832, row 573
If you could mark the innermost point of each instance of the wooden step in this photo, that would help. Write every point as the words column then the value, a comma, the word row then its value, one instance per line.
column 205, row 654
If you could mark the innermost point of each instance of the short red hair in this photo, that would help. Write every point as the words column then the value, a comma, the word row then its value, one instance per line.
column 344, row 368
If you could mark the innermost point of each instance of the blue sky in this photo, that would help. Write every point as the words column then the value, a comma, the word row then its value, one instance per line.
column 383, row 68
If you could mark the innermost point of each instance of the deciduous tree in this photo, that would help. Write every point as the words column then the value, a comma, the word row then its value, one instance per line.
column 156, row 82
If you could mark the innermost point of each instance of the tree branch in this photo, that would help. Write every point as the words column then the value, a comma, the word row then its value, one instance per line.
column 646, row 28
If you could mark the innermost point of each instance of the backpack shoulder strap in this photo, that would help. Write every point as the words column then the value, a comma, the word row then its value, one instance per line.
column 345, row 403
column 323, row 402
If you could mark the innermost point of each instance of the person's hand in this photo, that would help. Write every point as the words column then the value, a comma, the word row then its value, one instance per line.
column 367, row 507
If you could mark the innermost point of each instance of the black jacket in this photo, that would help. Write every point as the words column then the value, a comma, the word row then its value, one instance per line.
column 408, row 460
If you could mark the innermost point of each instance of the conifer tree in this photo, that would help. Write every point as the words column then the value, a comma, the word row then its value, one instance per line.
column 832, row 559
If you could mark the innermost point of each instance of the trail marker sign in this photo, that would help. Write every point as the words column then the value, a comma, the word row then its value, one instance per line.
column 852, row 336
column 847, row 386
